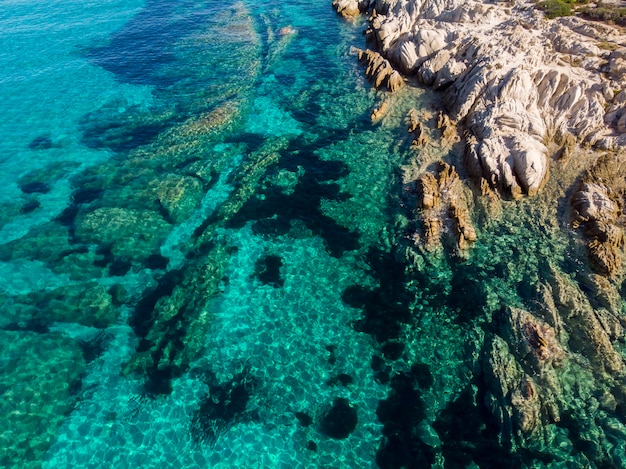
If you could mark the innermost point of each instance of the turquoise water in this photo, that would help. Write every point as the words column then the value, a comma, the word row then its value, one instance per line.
column 204, row 258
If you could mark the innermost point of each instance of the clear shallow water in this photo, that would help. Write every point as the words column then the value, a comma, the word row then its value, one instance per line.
column 199, row 250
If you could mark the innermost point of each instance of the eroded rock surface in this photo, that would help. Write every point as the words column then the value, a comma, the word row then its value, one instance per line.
column 598, row 205
column 513, row 78
column 443, row 209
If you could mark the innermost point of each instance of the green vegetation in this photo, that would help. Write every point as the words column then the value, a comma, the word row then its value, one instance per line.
column 555, row 8
column 606, row 45
column 605, row 12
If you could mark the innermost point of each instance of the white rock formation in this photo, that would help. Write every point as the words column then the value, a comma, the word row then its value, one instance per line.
column 511, row 76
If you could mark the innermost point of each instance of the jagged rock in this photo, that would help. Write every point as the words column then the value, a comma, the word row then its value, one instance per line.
column 462, row 221
column 413, row 121
column 415, row 127
column 421, row 139
column 512, row 396
column 379, row 112
column 510, row 77
column 448, row 129
column 350, row 8
column 592, row 202
column 586, row 333
column 429, row 190
column 379, row 70
column 520, row 367
column 441, row 204
column 598, row 210
column 533, row 341
column 432, row 231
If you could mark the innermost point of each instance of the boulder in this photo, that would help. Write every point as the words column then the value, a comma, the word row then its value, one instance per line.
column 349, row 8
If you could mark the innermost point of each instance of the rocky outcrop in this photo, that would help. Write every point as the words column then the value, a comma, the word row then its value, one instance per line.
column 520, row 367
column 379, row 70
column 379, row 112
column 350, row 8
column 590, row 330
column 443, row 209
column 512, row 78
column 417, row 129
column 598, row 213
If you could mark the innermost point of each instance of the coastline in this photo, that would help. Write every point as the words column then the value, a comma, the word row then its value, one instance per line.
column 529, row 139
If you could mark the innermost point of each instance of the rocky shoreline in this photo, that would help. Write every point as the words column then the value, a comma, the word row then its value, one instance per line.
column 525, row 99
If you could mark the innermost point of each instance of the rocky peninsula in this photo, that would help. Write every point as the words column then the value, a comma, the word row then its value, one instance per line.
column 533, row 116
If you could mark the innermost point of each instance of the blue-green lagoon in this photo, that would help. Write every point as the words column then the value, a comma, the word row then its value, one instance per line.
column 207, row 257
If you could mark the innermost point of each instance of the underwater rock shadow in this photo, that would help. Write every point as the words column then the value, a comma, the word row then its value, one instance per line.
column 224, row 406
column 136, row 52
column 386, row 307
column 275, row 209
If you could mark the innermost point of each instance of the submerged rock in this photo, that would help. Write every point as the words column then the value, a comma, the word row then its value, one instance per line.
column 350, row 8
column 40, row 375
column 131, row 233
column 521, row 368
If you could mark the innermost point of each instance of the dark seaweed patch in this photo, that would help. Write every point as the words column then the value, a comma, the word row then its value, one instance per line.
column 86, row 195
column 304, row 418
column 143, row 318
column 105, row 256
column 381, row 369
column 38, row 325
column 400, row 415
column 252, row 141
column 467, row 294
column 267, row 270
column 469, row 434
column 392, row 350
column 156, row 262
column 343, row 379
column 422, row 374
column 94, row 347
column 340, row 420
column 272, row 226
column 120, row 267
column 304, row 203
column 67, row 216
column 35, row 187
column 225, row 405
column 332, row 357
column 119, row 133
column 30, row 206
column 384, row 308
column 43, row 142
column 158, row 382
column 137, row 52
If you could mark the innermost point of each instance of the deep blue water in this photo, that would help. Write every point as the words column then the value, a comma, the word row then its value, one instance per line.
column 199, row 250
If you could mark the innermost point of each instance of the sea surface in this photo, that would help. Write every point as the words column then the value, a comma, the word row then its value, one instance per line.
column 199, row 263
